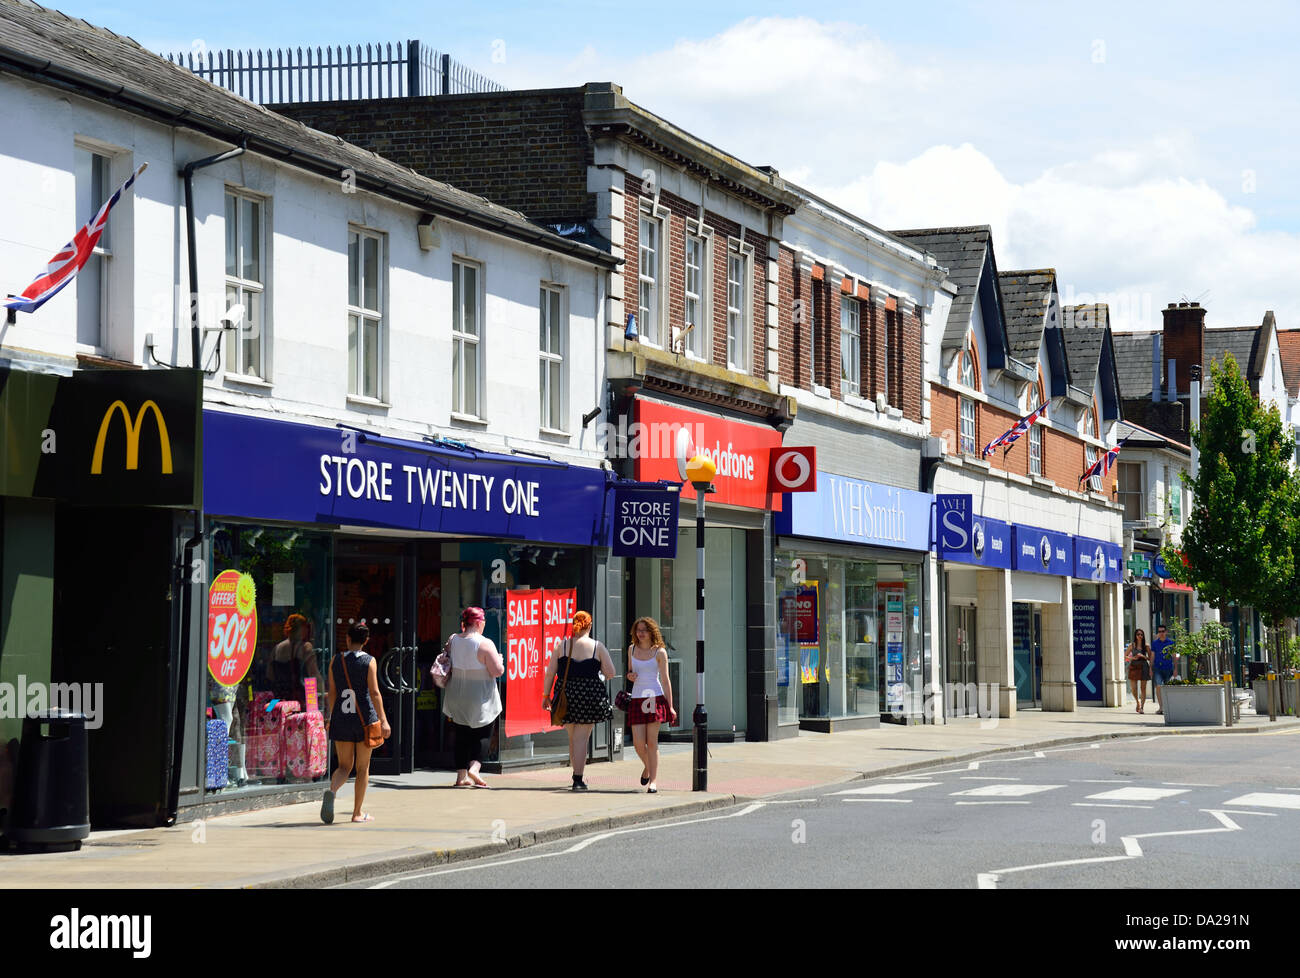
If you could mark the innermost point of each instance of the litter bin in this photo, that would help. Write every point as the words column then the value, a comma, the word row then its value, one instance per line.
column 1256, row 670
column 51, row 803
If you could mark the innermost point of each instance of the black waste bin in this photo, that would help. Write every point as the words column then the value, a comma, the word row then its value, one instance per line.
column 51, row 804
column 1256, row 670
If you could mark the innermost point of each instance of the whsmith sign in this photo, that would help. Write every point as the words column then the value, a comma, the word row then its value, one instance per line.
column 101, row 436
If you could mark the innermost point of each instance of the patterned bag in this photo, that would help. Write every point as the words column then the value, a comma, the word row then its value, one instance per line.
column 303, row 745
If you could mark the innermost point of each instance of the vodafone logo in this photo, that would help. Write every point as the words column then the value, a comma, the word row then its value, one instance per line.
column 794, row 469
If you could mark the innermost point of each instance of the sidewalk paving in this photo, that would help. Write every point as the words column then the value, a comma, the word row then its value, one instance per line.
column 422, row 821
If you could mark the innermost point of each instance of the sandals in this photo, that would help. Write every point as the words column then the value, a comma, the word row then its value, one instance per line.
column 327, row 808
column 645, row 778
column 363, row 817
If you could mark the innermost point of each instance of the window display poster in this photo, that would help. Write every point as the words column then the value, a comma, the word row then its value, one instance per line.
column 537, row 621
column 311, row 700
column 895, row 688
column 282, row 589
column 232, row 626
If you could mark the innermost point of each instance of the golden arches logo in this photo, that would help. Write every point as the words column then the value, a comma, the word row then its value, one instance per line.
column 132, row 437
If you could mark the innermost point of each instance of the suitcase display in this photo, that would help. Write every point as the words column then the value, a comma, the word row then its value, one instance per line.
column 265, row 748
column 303, row 745
column 218, row 766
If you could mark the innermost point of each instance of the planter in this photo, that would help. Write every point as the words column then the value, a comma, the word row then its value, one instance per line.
column 1287, row 696
column 1194, row 706
column 1261, row 696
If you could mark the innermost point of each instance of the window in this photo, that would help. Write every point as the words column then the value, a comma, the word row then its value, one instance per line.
column 1090, row 455
column 648, row 279
column 1090, row 424
column 967, row 426
column 1297, row 447
column 966, row 373
column 815, row 291
column 93, row 177
column 696, row 289
column 553, row 336
column 466, row 332
column 245, row 283
column 850, row 347
column 737, row 311
column 1035, row 449
column 1131, row 494
column 365, row 314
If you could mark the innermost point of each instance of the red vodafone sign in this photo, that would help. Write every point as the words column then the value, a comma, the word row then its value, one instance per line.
column 793, row 469
column 665, row 438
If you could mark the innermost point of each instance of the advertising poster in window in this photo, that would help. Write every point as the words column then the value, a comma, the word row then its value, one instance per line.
column 895, row 687
column 801, row 627
column 537, row 621
column 232, row 626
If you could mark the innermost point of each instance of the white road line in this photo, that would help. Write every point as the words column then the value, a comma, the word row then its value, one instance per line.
column 1190, row 784
column 1132, row 850
column 1062, row 750
column 1261, row 814
column 1101, row 780
column 1263, row 799
column 896, row 801
column 1007, row 790
column 894, row 788
column 994, row 803
column 1084, row 804
column 791, row 801
column 572, row 849
column 967, row 777
column 1137, row 794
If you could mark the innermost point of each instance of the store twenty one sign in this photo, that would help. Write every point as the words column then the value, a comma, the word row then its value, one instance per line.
column 645, row 522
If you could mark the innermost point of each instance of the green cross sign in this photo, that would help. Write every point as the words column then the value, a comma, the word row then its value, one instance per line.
column 1139, row 565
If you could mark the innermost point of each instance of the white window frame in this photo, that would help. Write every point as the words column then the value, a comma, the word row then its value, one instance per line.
column 652, row 320
column 739, row 339
column 356, row 383
column 103, row 253
column 967, row 446
column 548, row 358
column 966, row 358
column 234, row 366
column 815, row 306
column 461, row 338
column 1036, row 449
column 884, row 355
column 850, row 347
column 697, row 345
column 1090, row 456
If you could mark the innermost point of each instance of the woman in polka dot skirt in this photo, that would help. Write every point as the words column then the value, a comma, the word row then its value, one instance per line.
column 587, row 702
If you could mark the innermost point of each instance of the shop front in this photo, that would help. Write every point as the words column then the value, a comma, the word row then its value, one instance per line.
column 971, row 573
column 1098, row 571
column 401, row 535
column 851, row 622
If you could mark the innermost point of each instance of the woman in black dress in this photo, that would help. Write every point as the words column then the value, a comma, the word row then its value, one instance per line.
column 583, row 665
column 356, row 672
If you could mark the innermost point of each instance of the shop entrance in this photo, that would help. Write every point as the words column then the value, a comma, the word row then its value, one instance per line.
column 961, row 676
column 1027, row 635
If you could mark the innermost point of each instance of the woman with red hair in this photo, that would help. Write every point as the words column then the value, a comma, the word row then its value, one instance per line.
column 583, row 664
column 471, row 701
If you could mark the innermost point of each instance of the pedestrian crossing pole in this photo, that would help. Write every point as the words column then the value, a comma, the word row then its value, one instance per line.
column 700, row 472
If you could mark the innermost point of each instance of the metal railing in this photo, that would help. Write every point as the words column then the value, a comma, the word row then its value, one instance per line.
column 387, row 70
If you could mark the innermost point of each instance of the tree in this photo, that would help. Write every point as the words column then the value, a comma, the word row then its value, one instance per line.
column 1242, row 538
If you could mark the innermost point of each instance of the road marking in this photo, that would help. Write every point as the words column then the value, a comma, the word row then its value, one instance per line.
column 1132, row 850
column 1062, row 750
column 896, row 801
column 994, row 803
column 1261, row 814
column 1137, row 794
column 1189, row 784
column 792, row 801
column 572, row 849
column 1101, row 780
column 895, row 788
column 967, row 777
column 1263, row 799
column 1008, row 790
column 1084, row 804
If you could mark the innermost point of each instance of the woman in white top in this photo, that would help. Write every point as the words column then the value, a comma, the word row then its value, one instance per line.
column 471, row 700
column 652, row 695
column 583, row 665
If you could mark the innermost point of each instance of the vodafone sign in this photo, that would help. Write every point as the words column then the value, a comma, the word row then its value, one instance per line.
column 794, row 470
column 671, row 436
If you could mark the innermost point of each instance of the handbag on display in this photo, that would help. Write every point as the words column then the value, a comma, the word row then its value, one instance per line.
column 559, row 699
column 373, row 733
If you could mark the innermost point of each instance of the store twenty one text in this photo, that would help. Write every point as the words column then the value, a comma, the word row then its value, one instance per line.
column 368, row 479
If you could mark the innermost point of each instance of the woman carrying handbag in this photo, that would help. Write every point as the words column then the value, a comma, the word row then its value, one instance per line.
column 472, row 702
column 355, row 721
column 581, row 666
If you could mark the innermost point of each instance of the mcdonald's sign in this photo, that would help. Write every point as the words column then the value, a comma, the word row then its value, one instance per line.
column 129, row 437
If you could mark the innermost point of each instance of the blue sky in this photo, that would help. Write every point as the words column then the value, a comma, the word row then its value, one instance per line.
column 1143, row 149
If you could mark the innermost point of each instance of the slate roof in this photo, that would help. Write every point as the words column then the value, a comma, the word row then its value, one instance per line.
column 961, row 251
column 1288, row 342
column 1240, row 341
column 1094, row 314
column 1133, row 364
column 51, row 48
column 1028, row 304
column 1083, row 347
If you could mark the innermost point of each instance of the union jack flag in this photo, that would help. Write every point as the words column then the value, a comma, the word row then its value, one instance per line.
column 1019, row 428
column 1103, row 464
column 68, row 261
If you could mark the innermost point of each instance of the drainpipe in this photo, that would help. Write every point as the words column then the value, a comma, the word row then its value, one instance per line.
column 184, row 576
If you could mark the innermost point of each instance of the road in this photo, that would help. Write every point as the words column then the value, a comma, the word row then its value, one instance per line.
column 1184, row 812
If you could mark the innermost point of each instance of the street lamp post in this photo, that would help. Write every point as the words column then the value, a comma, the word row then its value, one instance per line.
column 700, row 472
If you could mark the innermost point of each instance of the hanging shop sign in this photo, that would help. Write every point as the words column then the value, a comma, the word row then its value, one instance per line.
column 232, row 626
column 537, row 621
column 1042, row 551
column 1097, row 560
column 645, row 522
column 856, row 511
column 794, row 469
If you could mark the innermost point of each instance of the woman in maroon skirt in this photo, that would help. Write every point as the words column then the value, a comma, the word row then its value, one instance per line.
column 652, row 695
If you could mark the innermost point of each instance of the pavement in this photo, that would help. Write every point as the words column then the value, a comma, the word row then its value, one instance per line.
column 421, row 821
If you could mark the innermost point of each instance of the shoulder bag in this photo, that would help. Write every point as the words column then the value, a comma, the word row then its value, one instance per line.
column 372, row 734
column 441, row 671
column 559, row 698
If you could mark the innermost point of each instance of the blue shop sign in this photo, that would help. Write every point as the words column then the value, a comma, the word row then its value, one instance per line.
column 645, row 522
column 990, row 544
column 1042, row 551
column 259, row 468
column 856, row 511
column 953, row 513
column 1097, row 560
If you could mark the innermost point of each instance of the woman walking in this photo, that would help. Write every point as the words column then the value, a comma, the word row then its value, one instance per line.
column 652, row 696
column 471, row 701
column 583, row 665
column 356, row 672
column 1138, row 657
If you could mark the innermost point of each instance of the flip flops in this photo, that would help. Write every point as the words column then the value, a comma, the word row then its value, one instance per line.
column 363, row 817
column 327, row 808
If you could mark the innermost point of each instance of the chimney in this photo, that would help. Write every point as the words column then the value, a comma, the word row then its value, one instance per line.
column 1184, row 342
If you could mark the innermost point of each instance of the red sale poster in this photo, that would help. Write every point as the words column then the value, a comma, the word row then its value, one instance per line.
column 536, row 622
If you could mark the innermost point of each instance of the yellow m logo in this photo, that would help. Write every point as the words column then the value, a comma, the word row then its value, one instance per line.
column 132, row 437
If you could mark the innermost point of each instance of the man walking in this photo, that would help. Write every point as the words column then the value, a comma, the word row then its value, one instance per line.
column 1162, row 669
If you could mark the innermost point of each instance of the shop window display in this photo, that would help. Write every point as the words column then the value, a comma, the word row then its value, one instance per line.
column 264, row 718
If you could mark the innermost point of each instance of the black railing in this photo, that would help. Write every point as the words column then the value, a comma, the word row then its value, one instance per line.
column 399, row 70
